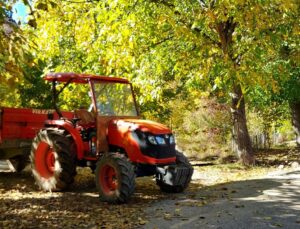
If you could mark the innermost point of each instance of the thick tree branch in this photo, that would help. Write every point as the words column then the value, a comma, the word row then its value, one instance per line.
column 225, row 31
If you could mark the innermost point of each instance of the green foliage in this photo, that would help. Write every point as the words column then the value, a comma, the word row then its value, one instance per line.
column 166, row 44
column 15, row 53
column 290, row 89
column 278, row 108
column 74, row 96
column 285, row 128
column 82, row 37
column 12, row 45
column 36, row 93
column 190, row 35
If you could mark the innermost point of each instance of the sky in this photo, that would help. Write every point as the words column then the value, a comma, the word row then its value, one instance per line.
column 19, row 12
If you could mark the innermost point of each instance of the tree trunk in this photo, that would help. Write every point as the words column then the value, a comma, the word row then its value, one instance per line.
column 241, row 138
column 295, row 109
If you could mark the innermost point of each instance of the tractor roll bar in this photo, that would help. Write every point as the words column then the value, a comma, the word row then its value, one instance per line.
column 56, row 93
column 81, row 78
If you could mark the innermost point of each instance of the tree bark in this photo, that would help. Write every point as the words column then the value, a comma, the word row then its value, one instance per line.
column 295, row 110
column 241, row 138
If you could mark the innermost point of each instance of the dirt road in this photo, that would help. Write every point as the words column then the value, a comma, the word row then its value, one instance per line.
column 270, row 202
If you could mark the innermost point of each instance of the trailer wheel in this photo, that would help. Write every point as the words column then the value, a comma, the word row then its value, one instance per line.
column 53, row 160
column 115, row 178
column 182, row 161
column 20, row 162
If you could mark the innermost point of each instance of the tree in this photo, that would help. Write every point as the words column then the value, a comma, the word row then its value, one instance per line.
column 14, row 51
column 227, row 42
column 286, row 91
column 226, row 47
column 276, row 98
column 290, row 92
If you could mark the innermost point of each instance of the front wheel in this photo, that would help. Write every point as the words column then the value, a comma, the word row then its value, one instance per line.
column 52, row 160
column 115, row 178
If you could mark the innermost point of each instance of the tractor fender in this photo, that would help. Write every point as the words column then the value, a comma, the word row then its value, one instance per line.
column 74, row 133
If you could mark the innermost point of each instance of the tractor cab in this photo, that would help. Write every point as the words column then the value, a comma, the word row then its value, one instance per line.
column 109, row 98
column 110, row 121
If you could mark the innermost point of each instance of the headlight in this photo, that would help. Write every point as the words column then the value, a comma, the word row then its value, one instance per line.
column 156, row 140
column 172, row 139
column 152, row 140
column 160, row 140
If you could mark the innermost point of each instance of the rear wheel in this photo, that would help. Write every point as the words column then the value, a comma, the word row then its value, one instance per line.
column 115, row 178
column 53, row 160
column 181, row 161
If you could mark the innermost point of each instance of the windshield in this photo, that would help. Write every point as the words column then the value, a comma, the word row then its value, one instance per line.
column 73, row 97
column 114, row 99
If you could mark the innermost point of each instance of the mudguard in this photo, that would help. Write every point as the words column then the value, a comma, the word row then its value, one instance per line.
column 68, row 126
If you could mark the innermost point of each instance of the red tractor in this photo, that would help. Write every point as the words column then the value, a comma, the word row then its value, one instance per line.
column 110, row 138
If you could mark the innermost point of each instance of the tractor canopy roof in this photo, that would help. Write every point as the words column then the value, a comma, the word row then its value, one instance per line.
column 81, row 78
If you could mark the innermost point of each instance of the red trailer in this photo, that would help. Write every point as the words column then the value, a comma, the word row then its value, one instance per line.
column 18, row 127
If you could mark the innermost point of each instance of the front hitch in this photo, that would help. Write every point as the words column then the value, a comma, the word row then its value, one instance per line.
column 174, row 175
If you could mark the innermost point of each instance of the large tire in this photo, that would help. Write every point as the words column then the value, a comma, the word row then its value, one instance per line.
column 115, row 178
column 181, row 161
column 53, row 160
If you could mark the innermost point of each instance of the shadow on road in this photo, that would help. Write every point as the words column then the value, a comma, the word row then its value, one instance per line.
column 260, row 203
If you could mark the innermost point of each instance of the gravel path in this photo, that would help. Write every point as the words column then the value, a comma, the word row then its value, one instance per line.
column 270, row 202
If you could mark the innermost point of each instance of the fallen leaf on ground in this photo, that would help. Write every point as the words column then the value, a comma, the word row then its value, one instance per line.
column 277, row 224
column 142, row 221
column 167, row 216
column 177, row 212
column 267, row 218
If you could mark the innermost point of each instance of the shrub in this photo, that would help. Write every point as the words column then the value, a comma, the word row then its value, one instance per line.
column 203, row 130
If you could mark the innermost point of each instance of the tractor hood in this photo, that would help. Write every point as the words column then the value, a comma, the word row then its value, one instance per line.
column 143, row 125
column 144, row 141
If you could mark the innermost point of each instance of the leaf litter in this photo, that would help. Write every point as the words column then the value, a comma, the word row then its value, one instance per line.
column 22, row 205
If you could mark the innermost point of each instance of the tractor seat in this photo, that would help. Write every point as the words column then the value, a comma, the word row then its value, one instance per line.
column 86, row 117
